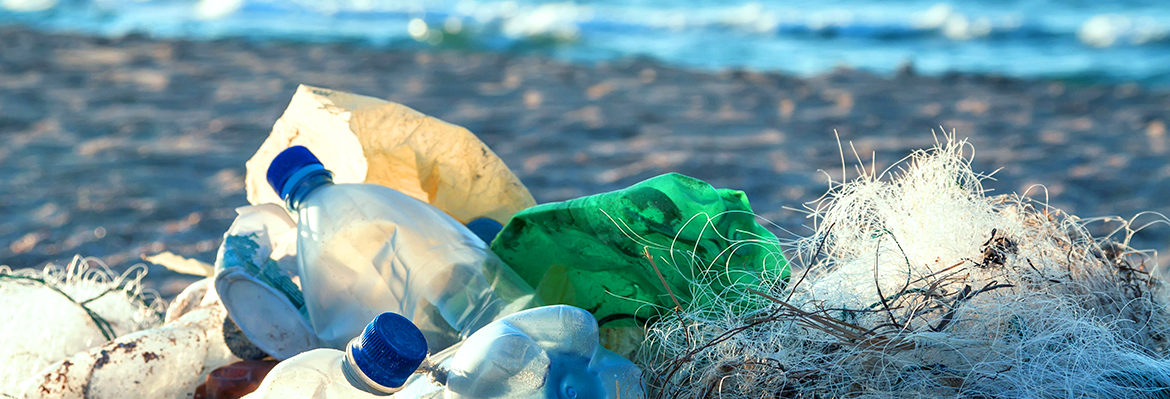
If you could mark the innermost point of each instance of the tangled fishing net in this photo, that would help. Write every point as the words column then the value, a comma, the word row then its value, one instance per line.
column 53, row 313
column 918, row 284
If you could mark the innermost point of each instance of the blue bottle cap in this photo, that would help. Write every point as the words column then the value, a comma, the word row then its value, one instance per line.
column 288, row 163
column 486, row 229
column 390, row 350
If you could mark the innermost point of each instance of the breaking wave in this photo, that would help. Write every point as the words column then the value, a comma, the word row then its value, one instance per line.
column 1126, row 42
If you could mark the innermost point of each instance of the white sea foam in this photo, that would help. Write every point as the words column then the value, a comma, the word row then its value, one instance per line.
column 216, row 9
column 558, row 20
column 1111, row 29
column 27, row 5
column 1034, row 39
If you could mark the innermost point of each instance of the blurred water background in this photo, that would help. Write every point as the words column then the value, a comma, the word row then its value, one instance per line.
column 1077, row 40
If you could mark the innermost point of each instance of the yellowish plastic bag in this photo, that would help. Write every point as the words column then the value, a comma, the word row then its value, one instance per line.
column 365, row 139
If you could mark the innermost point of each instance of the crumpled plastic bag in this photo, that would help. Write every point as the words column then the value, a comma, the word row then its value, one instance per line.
column 365, row 139
column 590, row 252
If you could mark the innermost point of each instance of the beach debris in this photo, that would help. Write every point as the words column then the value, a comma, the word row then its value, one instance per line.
column 368, row 140
column 234, row 380
column 545, row 352
column 377, row 362
column 484, row 228
column 180, row 264
column 53, row 313
column 190, row 299
column 169, row 361
column 265, row 305
column 649, row 244
column 368, row 249
column 918, row 284
column 915, row 283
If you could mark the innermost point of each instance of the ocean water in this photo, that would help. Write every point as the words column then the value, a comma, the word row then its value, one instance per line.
column 1080, row 40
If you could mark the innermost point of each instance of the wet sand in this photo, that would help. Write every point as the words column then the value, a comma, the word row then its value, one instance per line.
column 118, row 148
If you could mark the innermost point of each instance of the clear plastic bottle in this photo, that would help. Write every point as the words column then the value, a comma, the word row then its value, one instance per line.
column 375, row 364
column 364, row 249
column 550, row 352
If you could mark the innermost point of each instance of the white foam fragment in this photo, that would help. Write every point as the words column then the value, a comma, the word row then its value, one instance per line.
column 168, row 362
column 45, row 320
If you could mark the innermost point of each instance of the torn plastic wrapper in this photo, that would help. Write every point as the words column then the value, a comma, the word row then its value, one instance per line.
column 591, row 252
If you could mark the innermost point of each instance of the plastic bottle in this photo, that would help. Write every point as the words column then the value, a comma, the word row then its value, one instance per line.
column 375, row 364
column 550, row 352
column 364, row 249
column 486, row 229
column 258, row 292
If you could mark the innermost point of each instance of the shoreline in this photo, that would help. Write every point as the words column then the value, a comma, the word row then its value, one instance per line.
column 114, row 148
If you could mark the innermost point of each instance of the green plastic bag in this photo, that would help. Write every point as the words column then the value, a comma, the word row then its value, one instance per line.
column 590, row 252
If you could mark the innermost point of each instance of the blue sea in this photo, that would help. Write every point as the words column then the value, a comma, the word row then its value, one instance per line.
column 1084, row 40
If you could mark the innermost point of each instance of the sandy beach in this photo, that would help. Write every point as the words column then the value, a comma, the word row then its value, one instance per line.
column 114, row 148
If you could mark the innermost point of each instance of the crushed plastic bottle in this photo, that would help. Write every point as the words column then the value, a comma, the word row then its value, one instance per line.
column 548, row 352
column 364, row 249
column 258, row 292
column 375, row 364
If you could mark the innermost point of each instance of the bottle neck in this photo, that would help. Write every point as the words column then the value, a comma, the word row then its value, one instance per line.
column 298, row 191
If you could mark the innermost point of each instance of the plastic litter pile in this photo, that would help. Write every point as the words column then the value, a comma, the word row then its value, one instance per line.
column 389, row 253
